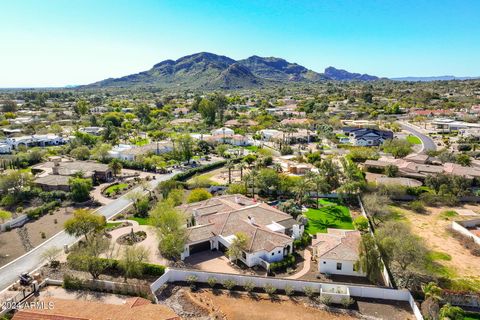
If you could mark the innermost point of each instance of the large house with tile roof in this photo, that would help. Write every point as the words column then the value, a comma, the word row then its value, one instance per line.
column 213, row 224
column 337, row 251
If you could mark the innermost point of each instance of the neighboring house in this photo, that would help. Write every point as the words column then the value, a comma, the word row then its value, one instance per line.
column 224, row 131
column 416, row 169
column 79, row 309
column 131, row 152
column 96, row 131
column 182, row 122
column 269, row 134
column 240, row 123
column 337, row 251
column 55, row 174
column 367, row 136
column 448, row 125
column 235, row 140
column 215, row 222
column 36, row 140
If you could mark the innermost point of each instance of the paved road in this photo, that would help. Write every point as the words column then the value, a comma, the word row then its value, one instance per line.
column 32, row 259
column 428, row 143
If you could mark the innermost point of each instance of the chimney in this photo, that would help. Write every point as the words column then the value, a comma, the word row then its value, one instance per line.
column 56, row 167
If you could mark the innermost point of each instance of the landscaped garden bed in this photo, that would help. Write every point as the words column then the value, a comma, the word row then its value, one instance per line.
column 119, row 188
column 330, row 214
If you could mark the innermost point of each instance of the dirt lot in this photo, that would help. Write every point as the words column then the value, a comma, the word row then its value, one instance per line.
column 222, row 304
column 435, row 230
column 18, row 241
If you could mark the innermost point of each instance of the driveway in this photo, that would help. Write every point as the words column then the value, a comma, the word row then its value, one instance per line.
column 427, row 142
column 213, row 261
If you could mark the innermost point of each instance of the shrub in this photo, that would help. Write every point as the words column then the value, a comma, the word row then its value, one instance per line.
column 309, row 291
column 154, row 270
column 417, row 206
column 326, row 300
column 361, row 223
column 71, row 282
column 212, row 282
column 303, row 242
column 288, row 290
column 249, row 286
column 191, row 280
column 229, row 284
column 347, row 302
column 269, row 289
column 287, row 262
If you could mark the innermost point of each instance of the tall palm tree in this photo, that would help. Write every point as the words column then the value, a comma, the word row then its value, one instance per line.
column 230, row 166
column 302, row 190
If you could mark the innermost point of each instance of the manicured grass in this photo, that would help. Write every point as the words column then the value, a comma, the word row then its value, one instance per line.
column 251, row 148
column 414, row 139
column 111, row 225
column 329, row 215
column 141, row 221
column 117, row 187
column 472, row 316
column 448, row 214
column 437, row 255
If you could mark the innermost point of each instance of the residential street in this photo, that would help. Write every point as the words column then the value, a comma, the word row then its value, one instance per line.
column 427, row 142
column 32, row 260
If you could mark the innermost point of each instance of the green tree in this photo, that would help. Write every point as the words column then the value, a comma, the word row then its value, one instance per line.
column 116, row 166
column 132, row 261
column 208, row 110
column 5, row 215
column 238, row 246
column 184, row 147
column 175, row 197
column 83, row 223
column 198, row 194
column 80, row 153
column 377, row 206
column 448, row 312
column 80, row 189
column 397, row 148
column 86, row 257
column 170, row 225
column 391, row 170
column 369, row 258
column 100, row 152
column 463, row 160
column 81, row 107
column 361, row 223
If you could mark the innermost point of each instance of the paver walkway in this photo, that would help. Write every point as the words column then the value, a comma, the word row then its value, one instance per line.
column 307, row 256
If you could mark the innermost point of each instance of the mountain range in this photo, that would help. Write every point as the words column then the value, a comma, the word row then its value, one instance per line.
column 210, row 71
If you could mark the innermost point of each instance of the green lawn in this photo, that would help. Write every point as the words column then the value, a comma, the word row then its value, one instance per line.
column 251, row 148
column 113, row 189
column 472, row 316
column 413, row 139
column 141, row 221
column 329, row 215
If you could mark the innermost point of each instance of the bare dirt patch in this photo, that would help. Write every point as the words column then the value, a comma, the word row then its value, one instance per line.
column 435, row 230
column 245, row 307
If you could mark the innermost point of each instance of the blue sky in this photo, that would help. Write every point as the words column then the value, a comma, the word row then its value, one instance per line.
column 61, row 42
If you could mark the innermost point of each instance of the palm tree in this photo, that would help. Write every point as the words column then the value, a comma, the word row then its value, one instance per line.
column 230, row 166
column 302, row 190
column 320, row 184
column 241, row 166
column 116, row 167
column 238, row 246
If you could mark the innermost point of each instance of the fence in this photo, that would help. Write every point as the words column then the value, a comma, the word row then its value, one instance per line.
column 181, row 275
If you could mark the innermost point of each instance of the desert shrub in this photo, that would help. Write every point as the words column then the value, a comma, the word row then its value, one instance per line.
column 269, row 289
column 309, row 291
column 191, row 280
column 287, row 262
column 288, row 290
column 361, row 223
column 347, row 302
column 229, row 284
column 303, row 242
column 326, row 300
column 249, row 286
column 212, row 282
column 417, row 206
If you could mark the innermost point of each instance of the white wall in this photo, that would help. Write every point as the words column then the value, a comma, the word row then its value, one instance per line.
column 330, row 267
column 173, row 275
column 461, row 229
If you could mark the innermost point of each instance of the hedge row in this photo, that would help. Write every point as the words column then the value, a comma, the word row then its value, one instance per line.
column 287, row 262
column 182, row 176
column 149, row 269
column 43, row 209
column 303, row 242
